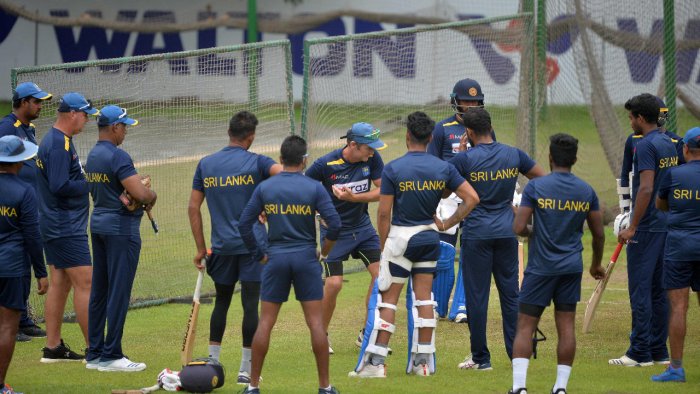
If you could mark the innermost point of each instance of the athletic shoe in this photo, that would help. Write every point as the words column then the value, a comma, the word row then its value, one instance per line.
column 331, row 390
column 468, row 363
column 559, row 391
column 248, row 390
column 370, row 371
column 670, row 375
column 421, row 370
column 628, row 362
column 663, row 361
column 33, row 331
column 8, row 390
column 461, row 318
column 360, row 338
column 22, row 337
column 521, row 390
column 60, row 353
column 244, row 377
column 92, row 364
column 121, row 365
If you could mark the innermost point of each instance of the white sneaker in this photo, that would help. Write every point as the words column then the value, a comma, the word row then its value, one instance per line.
column 370, row 371
column 469, row 363
column 92, row 364
column 121, row 365
column 421, row 370
column 461, row 318
column 625, row 361
column 360, row 338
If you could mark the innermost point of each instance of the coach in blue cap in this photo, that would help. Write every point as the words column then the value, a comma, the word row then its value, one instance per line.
column 63, row 209
column 679, row 194
column 116, row 240
column 19, row 231
column 27, row 102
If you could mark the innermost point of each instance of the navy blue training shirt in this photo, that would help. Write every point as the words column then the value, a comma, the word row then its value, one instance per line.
column 560, row 202
column 106, row 167
column 332, row 169
column 19, row 229
column 655, row 152
column 417, row 180
column 446, row 136
column 681, row 187
column 10, row 125
column 227, row 178
column 290, row 201
column 492, row 170
column 62, row 187
column 631, row 145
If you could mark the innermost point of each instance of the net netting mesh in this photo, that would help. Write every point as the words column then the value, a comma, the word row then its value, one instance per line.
column 183, row 105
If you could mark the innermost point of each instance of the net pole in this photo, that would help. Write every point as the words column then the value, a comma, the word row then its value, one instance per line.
column 290, row 91
column 541, row 35
column 252, row 36
column 305, row 89
column 13, row 79
column 532, row 83
column 670, row 63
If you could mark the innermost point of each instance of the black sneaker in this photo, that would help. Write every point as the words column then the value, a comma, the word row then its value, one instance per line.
column 332, row 390
column 559, row 391
column 22, row 337
column 60, row 353
column 33, row 331
column 521, row 390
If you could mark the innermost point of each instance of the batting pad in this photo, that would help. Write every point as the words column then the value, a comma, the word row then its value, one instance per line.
column 414, row 323
column 444, row 277
column 459, row 302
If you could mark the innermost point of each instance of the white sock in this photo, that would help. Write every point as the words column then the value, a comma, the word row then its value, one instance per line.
column 520, row 372
column 214, row 351
column 246, row 355
column 563, row 372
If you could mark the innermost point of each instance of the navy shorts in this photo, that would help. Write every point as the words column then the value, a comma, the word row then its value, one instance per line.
column 12, row 293
column 68, row 252
column 301, row 269
column 681, row 274
column 229, row 269
column 541, row 289
column 423, row 247
column 361, row 244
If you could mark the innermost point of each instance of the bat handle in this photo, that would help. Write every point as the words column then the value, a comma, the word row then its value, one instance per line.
column 200, row 278
column 154, row 224
column 616, row 253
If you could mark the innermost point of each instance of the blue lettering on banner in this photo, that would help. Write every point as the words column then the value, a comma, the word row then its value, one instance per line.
column 500, row 68
column 7, row 22
column 323, row 66
column 398, row 54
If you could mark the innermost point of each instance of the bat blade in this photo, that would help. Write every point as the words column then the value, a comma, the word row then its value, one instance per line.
column 598, row 292
column 521, row 263
column 191, row 333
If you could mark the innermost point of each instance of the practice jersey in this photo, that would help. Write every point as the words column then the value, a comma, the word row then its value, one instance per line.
column 332, row 169
column 492, row 170
column 19, row 229
column 417, row 180
column 106, row 167
column 227, row 178
column 290, row 201
column 657, row 153
column 681, row 187
column 62, row 187
column 560, row 202
column 446, row 137
column 10, row 125
column 631, row 145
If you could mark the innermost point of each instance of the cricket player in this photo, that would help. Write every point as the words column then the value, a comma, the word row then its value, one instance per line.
column 488, row 245
column 560, row 203
column 116, row 240
column 348, row 174
column 226, row 179
column 411, row 189
column 20, row 246
column 646, row 237
column 27, row 101
column 290, row 201
column 63, row 216
column 679, row 194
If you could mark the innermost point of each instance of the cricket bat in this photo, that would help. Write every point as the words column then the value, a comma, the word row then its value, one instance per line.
column 598, row 292
column 191, row 333
column 521, row 263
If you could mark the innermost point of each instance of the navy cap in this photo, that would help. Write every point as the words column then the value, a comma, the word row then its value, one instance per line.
column 692, row 138
column 662, row 105
column 76, row 102
column 467, row 89
column 27, row 89
column 111, row 114
column 13, row 149
column 365, row 133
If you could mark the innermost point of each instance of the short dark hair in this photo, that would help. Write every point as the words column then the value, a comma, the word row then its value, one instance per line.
column 563, row 149
column 18, row 103
column 644, row 105
column 293, row 150
column 420, row 127
column 242, row 125
column 479, row 120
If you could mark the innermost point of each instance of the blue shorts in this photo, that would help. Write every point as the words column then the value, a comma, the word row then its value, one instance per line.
column 68, row 252
column 423, row 247
column 541, row 289
column 681, row 274
column 229, row 269
column 361, row 244
column 299, row 268
column 12, row 293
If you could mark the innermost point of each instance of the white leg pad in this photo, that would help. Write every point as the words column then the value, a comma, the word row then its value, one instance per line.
column 415, row 323
column 373, row 325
